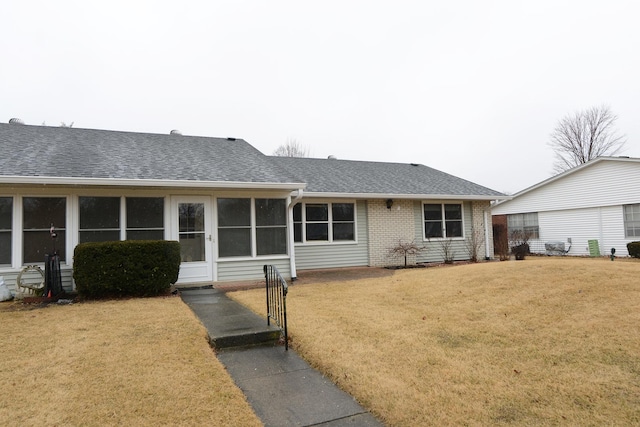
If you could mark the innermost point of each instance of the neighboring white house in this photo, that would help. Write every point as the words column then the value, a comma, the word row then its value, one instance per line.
column 232, row 208
column 597, row 201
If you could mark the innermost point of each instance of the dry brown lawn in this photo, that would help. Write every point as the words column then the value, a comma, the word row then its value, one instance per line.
column 143, row 362
column 545, row 341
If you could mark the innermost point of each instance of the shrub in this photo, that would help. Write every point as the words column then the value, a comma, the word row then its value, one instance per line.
column 634, row 249
column 125, row 268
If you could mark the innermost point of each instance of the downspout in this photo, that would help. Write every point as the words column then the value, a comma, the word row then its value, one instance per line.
column 292, row 252
column 486, row 237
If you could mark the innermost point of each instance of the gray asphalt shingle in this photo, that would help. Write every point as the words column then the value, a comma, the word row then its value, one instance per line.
column 87, row 153
column 44, row 151
column 360, row 177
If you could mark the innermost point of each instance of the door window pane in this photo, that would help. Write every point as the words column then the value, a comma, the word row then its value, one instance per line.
column 39, row 214
column 191, row 231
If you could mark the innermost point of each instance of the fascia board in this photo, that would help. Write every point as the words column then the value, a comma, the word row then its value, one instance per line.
column 329, row 195
column 45, row 180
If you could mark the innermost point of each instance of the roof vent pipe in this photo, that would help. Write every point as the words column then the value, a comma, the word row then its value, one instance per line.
column 175, row 132
column 332, row 157
column 16, row 121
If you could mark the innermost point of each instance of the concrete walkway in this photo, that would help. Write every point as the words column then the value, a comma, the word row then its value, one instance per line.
column 281, row 387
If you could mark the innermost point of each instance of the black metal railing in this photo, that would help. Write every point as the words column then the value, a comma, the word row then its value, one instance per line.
column 277, row 289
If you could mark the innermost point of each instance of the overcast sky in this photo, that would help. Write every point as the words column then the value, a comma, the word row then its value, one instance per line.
column 473, row 88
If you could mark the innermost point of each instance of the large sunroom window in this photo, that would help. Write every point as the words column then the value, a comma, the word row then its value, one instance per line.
column 252, row 227
column 99, row 219
column 6, row 222
column 145, row 218
column 39, row 214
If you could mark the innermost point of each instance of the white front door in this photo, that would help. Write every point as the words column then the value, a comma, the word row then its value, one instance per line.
column 191, row 225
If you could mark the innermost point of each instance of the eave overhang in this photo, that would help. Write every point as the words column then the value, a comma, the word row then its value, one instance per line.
column 330, row 195
column 149, row 183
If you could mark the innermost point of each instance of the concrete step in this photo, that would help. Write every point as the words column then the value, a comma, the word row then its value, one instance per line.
column 229, row 324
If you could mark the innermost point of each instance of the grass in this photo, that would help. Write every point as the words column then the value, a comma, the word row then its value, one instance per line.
column 545, row 341
column 142, row 362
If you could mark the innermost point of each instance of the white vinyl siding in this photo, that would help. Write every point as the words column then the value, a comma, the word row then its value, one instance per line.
column 66, row 274
column 236, row 270
column 581, row 225
column 606, row 183
column 333, row 255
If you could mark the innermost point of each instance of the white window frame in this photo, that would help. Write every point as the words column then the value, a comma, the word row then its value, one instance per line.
column 18, row 232
column 330, row 240
column 444, row 220
column 535, row 233
column 635, row 222
column 11, row 232
column 253, row 227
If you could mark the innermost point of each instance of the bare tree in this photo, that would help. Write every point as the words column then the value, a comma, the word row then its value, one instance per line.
column 474, row 243
column 292, row 148
column 406, row 249
column 584, row 136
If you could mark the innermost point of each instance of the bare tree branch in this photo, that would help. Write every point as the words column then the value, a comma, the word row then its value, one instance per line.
column 292, row 148
column 584, row 136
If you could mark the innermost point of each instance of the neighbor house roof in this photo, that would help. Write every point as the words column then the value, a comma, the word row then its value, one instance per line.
column 43, row 154
column 348, row 178
column 569, row 174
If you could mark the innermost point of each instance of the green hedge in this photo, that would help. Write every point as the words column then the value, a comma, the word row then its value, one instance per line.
column 634, row 249
column 125, row 268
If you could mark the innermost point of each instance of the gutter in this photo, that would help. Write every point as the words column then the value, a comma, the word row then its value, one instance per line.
column 159, row 183
column 292, row 249
column 330, row 195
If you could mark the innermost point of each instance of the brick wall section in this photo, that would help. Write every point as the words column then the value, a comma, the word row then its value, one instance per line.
column 477, row 215
column 386, row 227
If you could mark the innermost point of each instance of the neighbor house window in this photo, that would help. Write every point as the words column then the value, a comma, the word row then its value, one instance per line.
column 632, row 220
column 442, row 220
column 145, row 218
column 248, row 227
column 526, row 223
column 99, row 219
column 38, row 215
column 6, row 221
column 324, row 222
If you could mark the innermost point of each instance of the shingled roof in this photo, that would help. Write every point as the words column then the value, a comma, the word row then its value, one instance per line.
column 43, row 151
column 44, row 154
column 359, row 178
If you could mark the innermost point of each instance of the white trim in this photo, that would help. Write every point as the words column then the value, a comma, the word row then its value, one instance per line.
column 566, row 173
column 403, row 196
column 160, row 183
